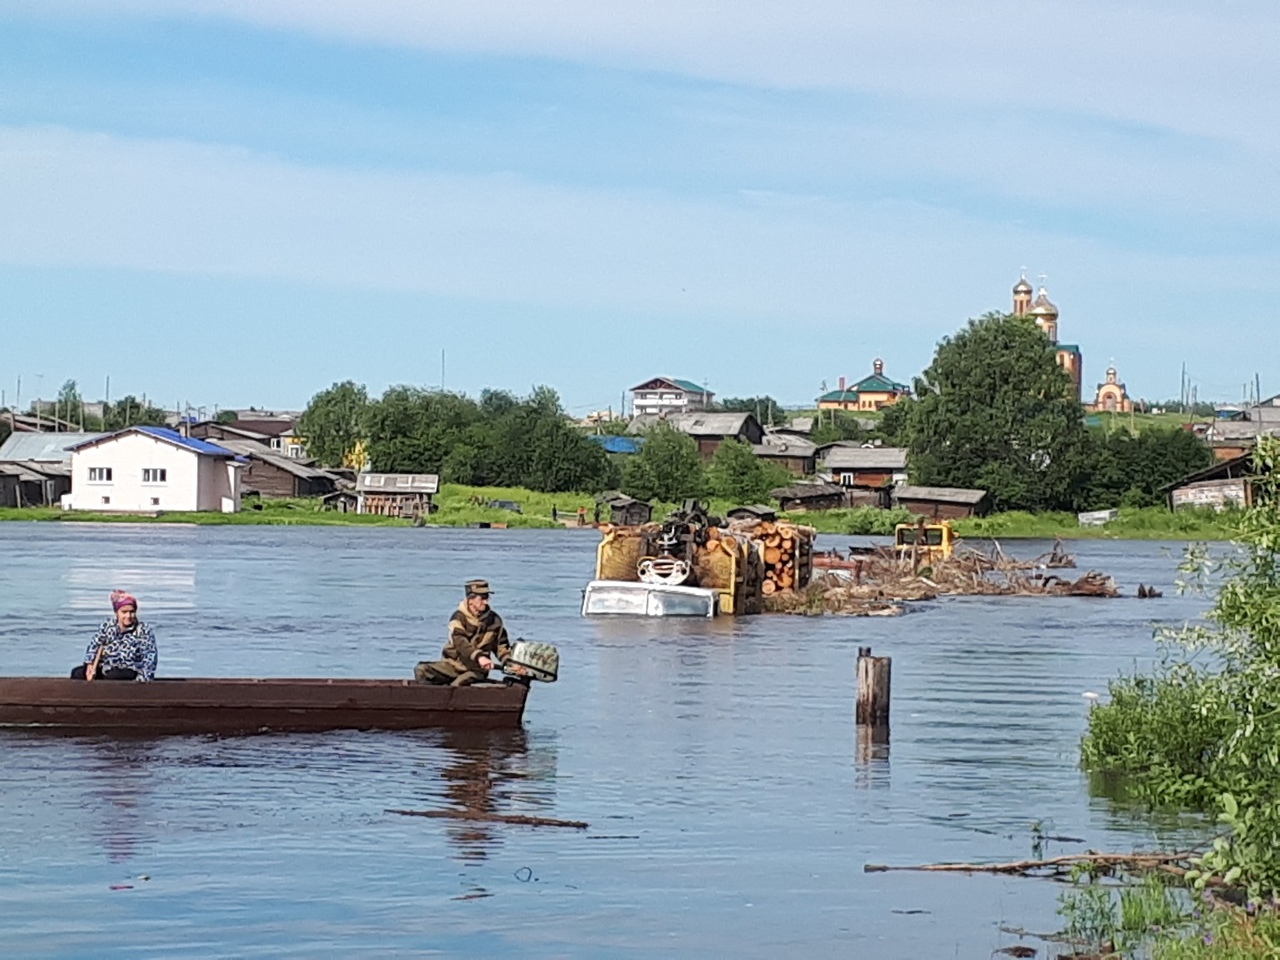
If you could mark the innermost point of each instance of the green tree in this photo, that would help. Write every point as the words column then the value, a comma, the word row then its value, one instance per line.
column 1131, row 470
column 666, row 468
column 129, row 411
column 1202, row 730
column 765, row 408
column 737, row 474
column 335, row 421
column 836, row 425
column 994, row 411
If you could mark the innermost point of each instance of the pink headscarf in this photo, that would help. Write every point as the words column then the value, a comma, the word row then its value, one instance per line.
column 119, row 598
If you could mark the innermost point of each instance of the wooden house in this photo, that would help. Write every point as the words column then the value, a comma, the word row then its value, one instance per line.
column 271, row 474
column 800, row 497
column 708, row 430
column 942, row 503
column 869, row 467
column 396, row 494
column 796, row 453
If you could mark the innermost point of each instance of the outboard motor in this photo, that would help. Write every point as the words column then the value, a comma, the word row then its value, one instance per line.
column 531, row 660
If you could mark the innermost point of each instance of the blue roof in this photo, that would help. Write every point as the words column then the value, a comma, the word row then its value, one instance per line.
column 613, row 444
column 169, row 436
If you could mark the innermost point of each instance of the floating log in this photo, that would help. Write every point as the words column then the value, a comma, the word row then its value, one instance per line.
column 1054, row 865
column 481, row 815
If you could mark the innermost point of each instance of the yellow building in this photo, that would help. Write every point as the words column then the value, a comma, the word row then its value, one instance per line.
column 1045, row 314
column 1112, row 396
column 870, row 393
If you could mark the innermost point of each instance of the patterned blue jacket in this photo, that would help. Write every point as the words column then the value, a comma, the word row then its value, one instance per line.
column 132, row 650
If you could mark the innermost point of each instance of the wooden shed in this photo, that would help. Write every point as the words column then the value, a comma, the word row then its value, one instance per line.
column 626, row 511
column 396, row 494
column 1228, row 483
column 870, row 467
column 800, row 497
column 942, row 503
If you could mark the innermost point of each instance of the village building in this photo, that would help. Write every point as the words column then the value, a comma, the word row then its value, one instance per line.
column 396, row 494
column 1111, row 397
column 941, row 503
column 662, row 395
column 871, row 393
column 625, row 511
column 708, row 430
column 278, row 429
column 1230, row 439
column 613, row 443
column 1045, row 314
column 268, row 473
column 39, row 422
column 1224, row 485
column 795, row 453
column 152, row 469
column 35, row 467
column 870, row 467
column 809, row 495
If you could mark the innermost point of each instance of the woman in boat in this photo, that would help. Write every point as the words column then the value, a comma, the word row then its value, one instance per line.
column 124, row 649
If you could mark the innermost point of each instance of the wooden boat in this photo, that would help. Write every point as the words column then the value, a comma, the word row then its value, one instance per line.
column 182, row 705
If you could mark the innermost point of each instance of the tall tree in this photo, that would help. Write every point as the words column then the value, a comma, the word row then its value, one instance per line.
column 995, row 411
column 1131, row 470
column 666, row 468
column 335, row 421
column 737, row 474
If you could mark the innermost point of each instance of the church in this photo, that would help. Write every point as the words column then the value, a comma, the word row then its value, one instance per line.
column 1045, row 314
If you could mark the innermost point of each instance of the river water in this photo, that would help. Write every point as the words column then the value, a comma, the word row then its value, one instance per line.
column 731, row 810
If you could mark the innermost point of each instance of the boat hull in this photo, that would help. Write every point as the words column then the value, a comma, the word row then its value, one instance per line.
column 182, row 705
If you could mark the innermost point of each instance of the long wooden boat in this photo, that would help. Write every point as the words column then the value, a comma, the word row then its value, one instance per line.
column 196, row 705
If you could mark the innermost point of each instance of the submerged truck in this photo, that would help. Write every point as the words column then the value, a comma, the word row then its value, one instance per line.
column 694, row 564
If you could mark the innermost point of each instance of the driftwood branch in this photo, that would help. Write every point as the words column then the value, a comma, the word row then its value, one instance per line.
column 493, row 818
column 1129, row 861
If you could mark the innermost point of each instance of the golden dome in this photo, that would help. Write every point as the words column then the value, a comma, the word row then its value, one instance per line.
column 1042, row 306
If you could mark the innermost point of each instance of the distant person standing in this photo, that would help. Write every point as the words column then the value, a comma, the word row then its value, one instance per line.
column 582, row 516
column 596, row 515
column 555, row 514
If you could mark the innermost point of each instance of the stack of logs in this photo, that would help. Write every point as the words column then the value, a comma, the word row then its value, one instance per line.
column 787, row 550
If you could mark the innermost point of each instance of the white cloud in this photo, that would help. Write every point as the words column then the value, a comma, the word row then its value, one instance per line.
column 1191, row 67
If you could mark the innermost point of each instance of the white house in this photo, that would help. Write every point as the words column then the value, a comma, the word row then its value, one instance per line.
column 145, row 469
column 668, row 395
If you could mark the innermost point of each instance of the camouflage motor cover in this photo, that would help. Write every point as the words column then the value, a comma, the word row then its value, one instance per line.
column 533, row 660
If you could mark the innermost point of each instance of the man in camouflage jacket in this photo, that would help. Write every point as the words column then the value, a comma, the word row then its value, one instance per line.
column 477, row 642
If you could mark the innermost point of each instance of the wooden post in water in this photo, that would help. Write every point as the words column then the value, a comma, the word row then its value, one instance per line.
column 873, row 689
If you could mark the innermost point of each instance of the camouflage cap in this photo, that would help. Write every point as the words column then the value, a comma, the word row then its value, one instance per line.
column 477, row 588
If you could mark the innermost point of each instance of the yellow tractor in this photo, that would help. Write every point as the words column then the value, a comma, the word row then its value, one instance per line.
column 930, row 542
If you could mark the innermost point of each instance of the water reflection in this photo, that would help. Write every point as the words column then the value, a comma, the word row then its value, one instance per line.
column 119, row 775
column 487, row 775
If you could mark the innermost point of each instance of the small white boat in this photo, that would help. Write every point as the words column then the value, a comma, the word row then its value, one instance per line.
column 626, row 598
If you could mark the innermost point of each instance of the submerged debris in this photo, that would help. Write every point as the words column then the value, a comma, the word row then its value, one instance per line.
column 872, row 582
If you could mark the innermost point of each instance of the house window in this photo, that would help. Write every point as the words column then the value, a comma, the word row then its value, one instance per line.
column 275, row 443
column 106, row 500
column 295, row 452
column 100, row 475
column 155, row 475
column 155, row 501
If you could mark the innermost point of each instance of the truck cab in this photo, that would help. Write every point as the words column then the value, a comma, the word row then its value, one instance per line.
column 931, row 541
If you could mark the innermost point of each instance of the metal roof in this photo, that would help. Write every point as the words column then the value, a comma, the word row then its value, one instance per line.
column 939, row 494
column 688, row 386
column 616, row 444
column 865, row 458
column 802, row 491
column 51, row 447
column 785, row 445
column 259, row 451
column 695, row 424
column 397, row 483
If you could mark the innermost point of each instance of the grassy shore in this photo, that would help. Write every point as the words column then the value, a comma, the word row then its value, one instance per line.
column 459, row 509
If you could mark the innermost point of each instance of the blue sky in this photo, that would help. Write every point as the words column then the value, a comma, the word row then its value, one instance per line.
column 239, row 202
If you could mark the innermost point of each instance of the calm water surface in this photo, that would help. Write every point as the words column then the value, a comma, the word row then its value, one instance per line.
column 731, row 812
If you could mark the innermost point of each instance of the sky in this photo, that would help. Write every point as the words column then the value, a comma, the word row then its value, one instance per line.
column 239, row 202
